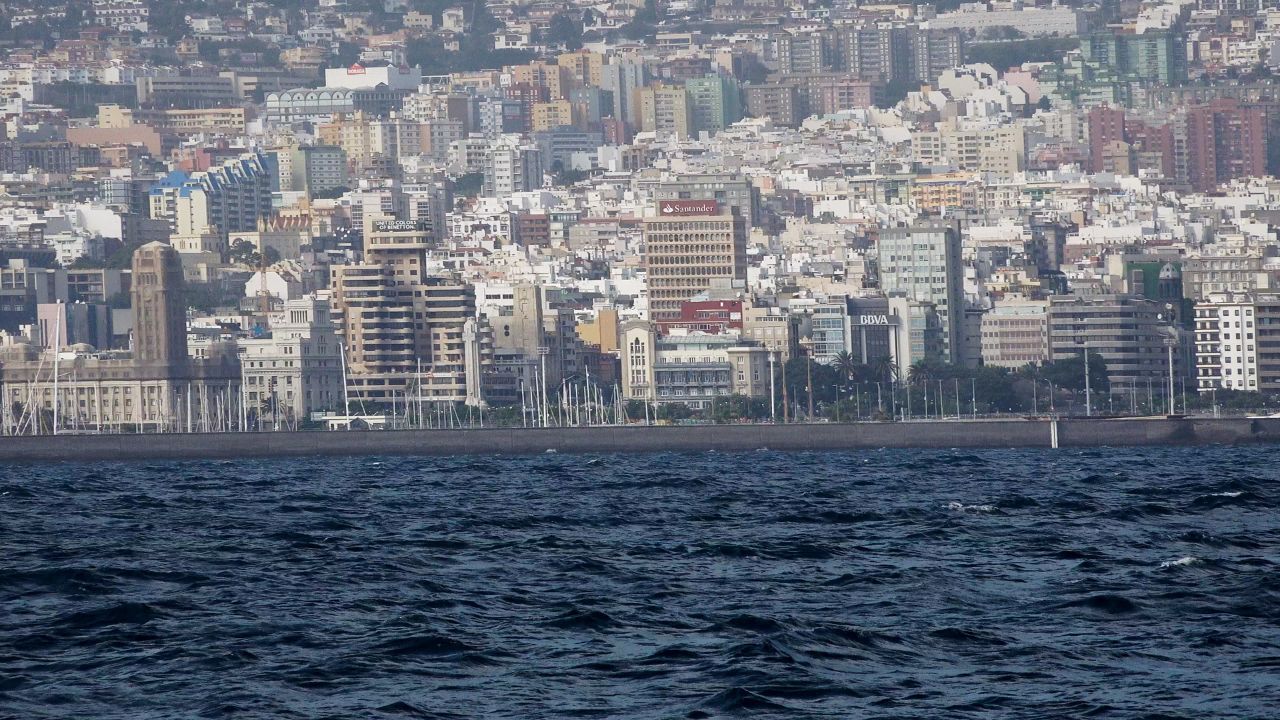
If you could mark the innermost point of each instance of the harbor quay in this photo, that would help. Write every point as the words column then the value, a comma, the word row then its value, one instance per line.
column 1049, row 434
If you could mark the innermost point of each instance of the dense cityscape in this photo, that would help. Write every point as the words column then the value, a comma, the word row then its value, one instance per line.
column 224, row 216
column 636, row 359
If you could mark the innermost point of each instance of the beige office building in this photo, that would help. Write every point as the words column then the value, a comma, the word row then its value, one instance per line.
column 692, row 368
column 1015, row 334
column 691, row 246
column 406, row 334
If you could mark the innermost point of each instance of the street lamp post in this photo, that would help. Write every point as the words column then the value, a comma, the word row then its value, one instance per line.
column 1088, row 390
column 786, row 400
column 1170, row 340
column 808, row 374
column 543, row 351
column 773, row 388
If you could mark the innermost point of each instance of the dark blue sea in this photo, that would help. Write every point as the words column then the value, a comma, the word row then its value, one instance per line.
column 1133, row 583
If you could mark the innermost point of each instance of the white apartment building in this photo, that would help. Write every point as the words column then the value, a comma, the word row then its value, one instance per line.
column 1227, row 343
column 1023, row 17
column 512, row 166
column 999, row 150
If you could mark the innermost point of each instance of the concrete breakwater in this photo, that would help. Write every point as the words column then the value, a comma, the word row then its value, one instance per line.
column 849, row 436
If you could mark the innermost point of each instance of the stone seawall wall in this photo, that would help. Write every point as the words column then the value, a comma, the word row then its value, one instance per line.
column 947, row 434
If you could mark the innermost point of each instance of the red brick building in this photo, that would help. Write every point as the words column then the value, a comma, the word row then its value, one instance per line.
column 1225, row 140
column 709, row 316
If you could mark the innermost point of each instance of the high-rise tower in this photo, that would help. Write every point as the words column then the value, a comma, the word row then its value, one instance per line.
column 159, row 310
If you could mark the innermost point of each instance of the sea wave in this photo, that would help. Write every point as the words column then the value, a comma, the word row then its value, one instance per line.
column 887, row 583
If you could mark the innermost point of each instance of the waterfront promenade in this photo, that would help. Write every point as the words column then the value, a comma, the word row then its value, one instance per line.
column 636, row 438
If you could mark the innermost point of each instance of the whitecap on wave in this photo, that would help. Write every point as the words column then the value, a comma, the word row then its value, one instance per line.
column 961, row 507
column 1180, row 562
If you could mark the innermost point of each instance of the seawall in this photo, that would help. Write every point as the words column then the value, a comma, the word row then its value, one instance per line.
column 511, row 441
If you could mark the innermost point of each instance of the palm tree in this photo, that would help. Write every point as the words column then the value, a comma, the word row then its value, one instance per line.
column 884, row 369
column 921, row 372
column 845, row 365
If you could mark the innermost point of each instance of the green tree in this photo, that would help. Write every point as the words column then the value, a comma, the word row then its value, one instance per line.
column 243, row 252
column 122, row 258
column 565, row 30
column 995, row 390
column 209, row 297
column 635, row 410
column 826, row 382
column 1004, row 55
column 1002, row 33
column 119, row 301
column 642, row 24
column 924, row 371
column 503, row 416
column 84, row 262
column 846, row 365
column 1069, row 373
column 673, row 412
column 565, row 178
column 346, row 55
column 884, row 369
column 74, row 17
column 738, row 407
column 468, row 185
column 331, row 193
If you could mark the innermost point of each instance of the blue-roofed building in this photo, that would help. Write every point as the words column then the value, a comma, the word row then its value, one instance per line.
column 222, row 200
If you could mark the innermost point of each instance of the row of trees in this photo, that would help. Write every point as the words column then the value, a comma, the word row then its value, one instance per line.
column 848, row 389
column 1013, row 53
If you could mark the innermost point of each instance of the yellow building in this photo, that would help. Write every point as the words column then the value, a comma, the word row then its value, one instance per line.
column 935, row 192
column 309, row 58
column 556, row 79
column 601, row 332
column 665, row 108
column 586, row 66
column 554, row 114
column 204, row 120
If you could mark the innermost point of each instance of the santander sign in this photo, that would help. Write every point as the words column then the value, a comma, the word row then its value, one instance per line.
column 677, row 208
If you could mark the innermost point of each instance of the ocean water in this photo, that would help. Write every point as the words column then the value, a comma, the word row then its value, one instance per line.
column 893, row 584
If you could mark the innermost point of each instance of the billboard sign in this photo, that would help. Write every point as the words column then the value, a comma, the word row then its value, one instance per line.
column 872, row 319
column 680, row 208
column 396, row 226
